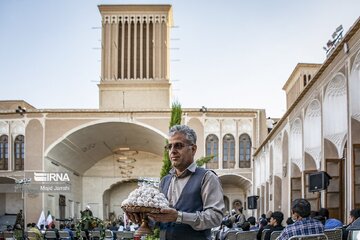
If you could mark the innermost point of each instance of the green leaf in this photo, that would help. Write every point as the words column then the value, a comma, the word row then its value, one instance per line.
column 203, row 160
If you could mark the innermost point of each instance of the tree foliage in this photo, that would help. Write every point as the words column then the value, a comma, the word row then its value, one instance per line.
column 203, row 160
column 176, row 115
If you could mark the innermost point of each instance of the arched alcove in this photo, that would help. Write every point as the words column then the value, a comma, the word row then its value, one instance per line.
column 296, row 143
column 235, row 188
column 335, row 122
column 198, row 127
column 285, row 201
column 354, row 89
column 309, row 163
column 113, row 197
column 237, row 205
column 312, row 132
column 277, row 195
column 10, row 202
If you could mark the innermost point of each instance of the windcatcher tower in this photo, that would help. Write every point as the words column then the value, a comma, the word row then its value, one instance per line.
column 135, row 57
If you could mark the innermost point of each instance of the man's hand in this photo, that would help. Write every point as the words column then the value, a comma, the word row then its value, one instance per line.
column 165, row 215
column 135, row 217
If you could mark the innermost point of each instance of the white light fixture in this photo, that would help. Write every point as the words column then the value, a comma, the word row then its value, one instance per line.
column 126, row 160
column 120, row 149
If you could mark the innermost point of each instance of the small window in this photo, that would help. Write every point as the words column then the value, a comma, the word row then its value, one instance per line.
column 305, row 80
column 244, row 151
column 228, row 151
column 212, row 148
column 4, row 152
column 19, row 152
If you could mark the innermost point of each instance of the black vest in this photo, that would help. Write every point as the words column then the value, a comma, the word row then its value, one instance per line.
column 189, row 201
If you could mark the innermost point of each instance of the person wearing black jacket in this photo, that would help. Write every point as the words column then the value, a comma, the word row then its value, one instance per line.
column 353, row 217
column 276, row 219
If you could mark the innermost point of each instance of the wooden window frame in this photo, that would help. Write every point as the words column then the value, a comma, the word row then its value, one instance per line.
column 243, row 150
column 229, row 163
column 214, row 163
column 19, row 153
column 341, row 182
column 4, row 152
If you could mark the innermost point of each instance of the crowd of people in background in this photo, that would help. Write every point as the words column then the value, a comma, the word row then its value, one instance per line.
column 20, row 233
column 303, row 222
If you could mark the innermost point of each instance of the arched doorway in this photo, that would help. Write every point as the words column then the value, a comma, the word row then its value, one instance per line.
column 237, row 205
column 113, row 197
column 10, row 202
column 236, row 189
column 99, row 154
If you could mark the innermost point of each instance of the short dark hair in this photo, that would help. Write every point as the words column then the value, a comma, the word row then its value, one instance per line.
column 263, row 222
column 227, row 222
column 302, row 207
column 324, row 212
column 289, row 221
column 252, row 220
column 355, row 213
column 278, row 216
column 245, row 226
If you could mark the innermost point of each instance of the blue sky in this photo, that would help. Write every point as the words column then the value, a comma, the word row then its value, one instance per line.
column 232, row 53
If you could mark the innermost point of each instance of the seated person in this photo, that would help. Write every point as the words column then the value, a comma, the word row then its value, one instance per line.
column 304, row 225
column 67, row 229
column 354, row 215
column 33, row 228
column 52, row 228
column 227, row 225
column 245, row 226
column 252, row 221
column 274, row 224
column 263, row 223
column 330, row 223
